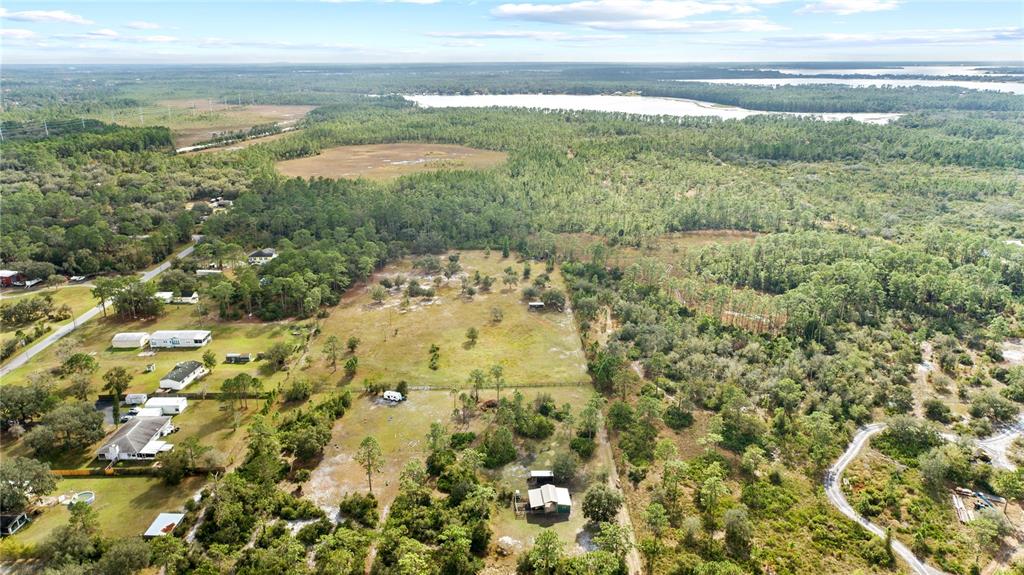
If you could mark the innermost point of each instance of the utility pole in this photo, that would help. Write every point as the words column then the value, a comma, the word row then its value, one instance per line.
column 46, row 129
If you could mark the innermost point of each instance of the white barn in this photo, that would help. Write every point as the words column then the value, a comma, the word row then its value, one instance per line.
column 170, row 339
column 129, row 340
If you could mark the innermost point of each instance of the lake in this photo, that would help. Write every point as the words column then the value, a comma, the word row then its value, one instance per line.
column 1010, row 87
column 641, row 105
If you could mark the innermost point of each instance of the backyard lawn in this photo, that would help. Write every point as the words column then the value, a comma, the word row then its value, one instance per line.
column 125, row 505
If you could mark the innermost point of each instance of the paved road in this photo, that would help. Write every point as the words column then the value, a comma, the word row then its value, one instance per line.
column 833, row 489
column 37, row 348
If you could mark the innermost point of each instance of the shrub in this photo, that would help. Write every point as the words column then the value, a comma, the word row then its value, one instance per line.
column 583, row 446
column 461, row 439
column 299, row 390
column 360, row 508
column 678, row 418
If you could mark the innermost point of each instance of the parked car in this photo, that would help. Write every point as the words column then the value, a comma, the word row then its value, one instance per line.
column 127, row 417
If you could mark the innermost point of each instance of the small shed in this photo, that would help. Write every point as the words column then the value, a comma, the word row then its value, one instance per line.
column 168, row 405
column 540, row 477
column 9, row 277
column 238, row 358
column 163, row 525
column 129, row 340
column 135, row 398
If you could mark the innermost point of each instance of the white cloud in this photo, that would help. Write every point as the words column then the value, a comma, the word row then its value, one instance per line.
column 946, row 36
column 527, row 34
column 640, row 15
column 141, row 25
column 847, row 7
column 382, row 1
column 104, row 33
column 17, row 34
column 43, row 16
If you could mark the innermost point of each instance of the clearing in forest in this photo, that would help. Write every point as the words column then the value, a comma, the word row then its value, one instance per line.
column 388, row 161
column 533, row 348
column 193, row 121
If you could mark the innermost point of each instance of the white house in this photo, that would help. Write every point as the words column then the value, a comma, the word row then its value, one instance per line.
column 182, row 376
column 169, row 297
column 262, row 256
column 550, row 499
column 187, row 299
column 168, row 405
column 139, row 438
column 129, row 340
column 170, row 339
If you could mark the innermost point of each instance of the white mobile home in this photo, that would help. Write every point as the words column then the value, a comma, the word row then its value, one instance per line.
column 135, row 398
column 129, row 340
column 170, row 339
column 182, row 376
column 393, row 396
column 168, row 405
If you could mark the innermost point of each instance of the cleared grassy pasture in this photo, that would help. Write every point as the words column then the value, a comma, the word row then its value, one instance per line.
column 388, row 161
column 534, row 348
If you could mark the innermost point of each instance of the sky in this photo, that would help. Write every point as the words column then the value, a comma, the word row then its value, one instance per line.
column 409, row 31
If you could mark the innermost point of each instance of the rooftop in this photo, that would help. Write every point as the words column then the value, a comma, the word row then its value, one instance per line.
column 547, row 494
column 183, row 370
column 263, row 253
column 163, row 524
column 133, row 436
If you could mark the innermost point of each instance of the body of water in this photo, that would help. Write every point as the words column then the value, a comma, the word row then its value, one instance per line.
column 641, row 105
column 893, row 71
column 1010, row 87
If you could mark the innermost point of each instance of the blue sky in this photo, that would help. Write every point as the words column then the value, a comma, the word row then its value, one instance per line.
column 362, row 31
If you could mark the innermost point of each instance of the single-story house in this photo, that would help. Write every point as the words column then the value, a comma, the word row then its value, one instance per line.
column 540, row 477
column 187, row 299
column 139, row 438
column 169, row 297
column 182, row 376
column 150, row 412
column 262, row 256
column 8, row 277
column 129, row 340
column 238, row 358
column 10, row 523
column 168, row 405
column 163, row 525
column 179, row 338
column 208, row 272
column 550, row 499
column 535, row 305
column 135, row 398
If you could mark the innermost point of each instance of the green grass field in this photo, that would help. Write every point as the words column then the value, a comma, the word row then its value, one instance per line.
column 125, row 505
column 533, row 348
column 228, row 337
column 79, row 297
